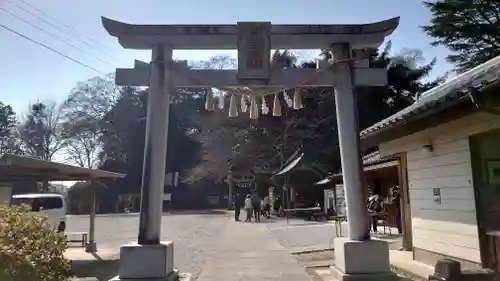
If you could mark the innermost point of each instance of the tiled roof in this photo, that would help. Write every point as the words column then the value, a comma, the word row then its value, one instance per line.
column 442, row 95
column 369, row 159
column 375, row 158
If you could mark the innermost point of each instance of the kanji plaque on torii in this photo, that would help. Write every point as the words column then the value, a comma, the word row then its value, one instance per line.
column 254, row 40
column 254, row 52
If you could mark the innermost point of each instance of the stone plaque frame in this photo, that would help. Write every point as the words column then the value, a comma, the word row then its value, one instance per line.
column 254, row 52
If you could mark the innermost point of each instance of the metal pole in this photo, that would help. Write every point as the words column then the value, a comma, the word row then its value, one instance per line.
column 91, row 246
column 155, row 150
column 350, row 154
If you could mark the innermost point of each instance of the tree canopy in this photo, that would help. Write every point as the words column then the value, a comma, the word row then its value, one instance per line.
column 470, row 29
column 8, row 122
column 41, row 132
column 267, row 142
column 123, row 129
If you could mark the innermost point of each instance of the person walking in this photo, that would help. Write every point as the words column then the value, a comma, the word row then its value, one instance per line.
column 248, row 208
column 267, row 206
column 396, row 200
column 375, row 207
column 277, row 205
column 238, row 203
column 256, row 201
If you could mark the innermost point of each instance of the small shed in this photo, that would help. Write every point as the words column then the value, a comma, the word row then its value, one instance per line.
column 16, row 168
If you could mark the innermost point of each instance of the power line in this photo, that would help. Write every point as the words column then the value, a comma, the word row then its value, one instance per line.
column 68, row 31
column 55, row 36
column 57, row 21
column 51, row 49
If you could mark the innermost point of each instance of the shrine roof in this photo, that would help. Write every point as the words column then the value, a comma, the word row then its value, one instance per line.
column 290, row 165
column 223, row 36
column 369, row 160
column 451, row 93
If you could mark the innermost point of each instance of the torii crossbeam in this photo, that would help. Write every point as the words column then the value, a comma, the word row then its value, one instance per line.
column 280, row 78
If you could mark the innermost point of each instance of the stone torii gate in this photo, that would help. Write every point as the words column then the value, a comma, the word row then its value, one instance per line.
column 356, row 255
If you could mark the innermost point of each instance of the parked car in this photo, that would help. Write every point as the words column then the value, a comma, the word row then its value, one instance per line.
column 51, row 204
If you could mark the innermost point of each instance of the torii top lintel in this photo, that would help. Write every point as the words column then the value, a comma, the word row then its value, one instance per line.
column 284, row 36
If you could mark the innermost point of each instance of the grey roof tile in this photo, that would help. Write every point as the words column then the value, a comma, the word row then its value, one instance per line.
column 478, row 77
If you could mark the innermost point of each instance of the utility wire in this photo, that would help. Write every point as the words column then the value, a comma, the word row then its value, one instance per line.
column 55, row 36
column 51, row 49
column 68, row 31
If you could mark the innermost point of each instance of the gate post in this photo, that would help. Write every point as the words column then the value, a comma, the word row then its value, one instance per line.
column 356, row 255
column 135, row 258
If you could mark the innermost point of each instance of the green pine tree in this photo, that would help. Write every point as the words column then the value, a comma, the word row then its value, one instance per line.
column 469, row 28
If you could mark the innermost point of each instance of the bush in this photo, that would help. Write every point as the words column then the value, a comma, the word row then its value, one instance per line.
column 30, row 249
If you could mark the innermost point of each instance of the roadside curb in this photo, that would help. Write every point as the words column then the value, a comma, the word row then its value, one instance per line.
column 312, row 251
column 318, row 266
column 406, row 273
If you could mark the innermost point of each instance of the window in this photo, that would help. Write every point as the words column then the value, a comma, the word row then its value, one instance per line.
column 47, row 203
column 21, row 201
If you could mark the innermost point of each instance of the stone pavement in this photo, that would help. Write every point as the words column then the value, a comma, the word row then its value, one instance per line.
column 249, row 252
column 195, row 234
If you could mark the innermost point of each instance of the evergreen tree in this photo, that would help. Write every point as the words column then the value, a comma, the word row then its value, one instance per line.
column 8, row 141
column 469, row 28
column 314, row 128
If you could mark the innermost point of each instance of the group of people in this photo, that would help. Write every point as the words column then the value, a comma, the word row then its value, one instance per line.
column 376, row 205
column 254, row 206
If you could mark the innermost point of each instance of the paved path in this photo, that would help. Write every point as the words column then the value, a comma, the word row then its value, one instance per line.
column 195, row 234
column 300, row 235
column 249, row 252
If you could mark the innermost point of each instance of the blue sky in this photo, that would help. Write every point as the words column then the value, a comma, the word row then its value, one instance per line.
column 30, row 72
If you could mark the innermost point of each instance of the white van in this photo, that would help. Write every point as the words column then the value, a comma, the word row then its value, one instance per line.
column 52, row 204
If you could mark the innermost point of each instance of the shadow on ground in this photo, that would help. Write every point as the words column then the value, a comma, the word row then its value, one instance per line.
column 102, row 269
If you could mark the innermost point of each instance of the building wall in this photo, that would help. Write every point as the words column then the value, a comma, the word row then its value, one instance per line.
column 448, row 228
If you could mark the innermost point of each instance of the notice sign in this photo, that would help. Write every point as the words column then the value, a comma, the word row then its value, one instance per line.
column 341, row 204
column 254, row 51
column 436, row 192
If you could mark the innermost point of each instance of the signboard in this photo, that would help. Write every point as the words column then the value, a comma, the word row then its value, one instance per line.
column 436, row 192
column 254, row 52
column 329, row 200
column 340, row 203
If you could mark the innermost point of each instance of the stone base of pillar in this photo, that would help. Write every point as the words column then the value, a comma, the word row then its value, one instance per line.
column 145, row 262
column 362, row 260
column 91, row 247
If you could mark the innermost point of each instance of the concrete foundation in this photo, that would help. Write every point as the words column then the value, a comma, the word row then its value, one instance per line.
column 91, row 247
column 147, row 262
column 362, row 260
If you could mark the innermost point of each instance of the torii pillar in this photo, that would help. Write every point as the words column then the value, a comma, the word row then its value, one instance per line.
column 355, row 256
